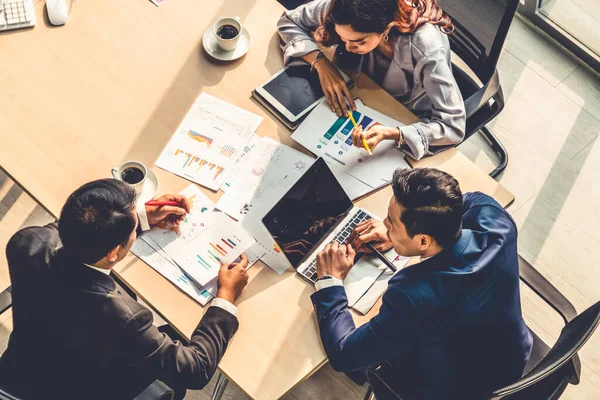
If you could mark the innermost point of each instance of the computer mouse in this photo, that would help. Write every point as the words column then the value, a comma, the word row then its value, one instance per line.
column 58, row 12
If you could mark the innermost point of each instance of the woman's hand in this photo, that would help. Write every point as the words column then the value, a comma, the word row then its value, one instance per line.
column 336, row 92
column 373, row 135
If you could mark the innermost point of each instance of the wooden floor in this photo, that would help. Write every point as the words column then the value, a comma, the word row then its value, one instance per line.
column 550, row 127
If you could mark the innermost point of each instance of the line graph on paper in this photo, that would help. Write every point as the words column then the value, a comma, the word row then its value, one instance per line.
column 218, row 119
column 224, row 125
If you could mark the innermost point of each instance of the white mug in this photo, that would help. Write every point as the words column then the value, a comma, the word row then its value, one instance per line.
column 228, row 44
column 117, row 173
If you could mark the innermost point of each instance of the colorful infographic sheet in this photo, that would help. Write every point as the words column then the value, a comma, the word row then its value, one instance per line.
column 330, row 137
column 210, row 139
column 222, row 242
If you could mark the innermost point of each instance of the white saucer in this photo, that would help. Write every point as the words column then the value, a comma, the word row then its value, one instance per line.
column 209, row 41
column 150, row 186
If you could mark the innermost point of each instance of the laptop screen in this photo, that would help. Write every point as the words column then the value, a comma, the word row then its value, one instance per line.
column 307, row 211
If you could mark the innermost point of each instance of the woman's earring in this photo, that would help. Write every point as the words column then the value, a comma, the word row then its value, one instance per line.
column 386, row 37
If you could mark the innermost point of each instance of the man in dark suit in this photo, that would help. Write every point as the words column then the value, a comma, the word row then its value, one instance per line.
column 451, row 325
column 76, row 334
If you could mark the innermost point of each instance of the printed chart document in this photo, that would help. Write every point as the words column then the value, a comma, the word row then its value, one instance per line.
column 211, row 138
column 152, row 246
column 237, row 168
column 199, row 219
column 158, row 246
column 328, row 136
column 222, row 242
column 268, row 163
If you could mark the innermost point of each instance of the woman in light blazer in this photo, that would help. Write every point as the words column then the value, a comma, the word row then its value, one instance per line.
column 402, row 46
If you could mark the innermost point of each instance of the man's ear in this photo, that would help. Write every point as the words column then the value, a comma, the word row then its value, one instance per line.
column 113, row 254
column 424, row 242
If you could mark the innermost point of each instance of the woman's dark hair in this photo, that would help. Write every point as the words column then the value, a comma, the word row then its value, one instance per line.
column 432, row 203
column 96, row 218
column 375, row 16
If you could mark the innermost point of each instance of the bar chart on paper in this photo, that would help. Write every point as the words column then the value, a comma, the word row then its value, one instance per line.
column 216, row 146
column 212, row 254
column 198, row 165
column 185, row 162
column 222, row 242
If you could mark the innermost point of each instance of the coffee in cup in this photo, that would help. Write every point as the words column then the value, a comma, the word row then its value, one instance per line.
column 133, row 173
column 227, row 33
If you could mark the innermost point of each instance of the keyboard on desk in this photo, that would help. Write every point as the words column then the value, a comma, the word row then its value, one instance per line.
column 15, row 14
column 341, row 236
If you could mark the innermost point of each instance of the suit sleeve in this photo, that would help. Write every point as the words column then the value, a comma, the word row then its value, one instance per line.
column 448, row 118
column 178, row 365
column 393, row 331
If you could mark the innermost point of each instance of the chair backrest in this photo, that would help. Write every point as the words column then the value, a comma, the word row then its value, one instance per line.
column 4, row 395
column 480, row 27
column 572, row 337
column 380, row 379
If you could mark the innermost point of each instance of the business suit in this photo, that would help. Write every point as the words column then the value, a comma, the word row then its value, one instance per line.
column 451, row 326
column 77, row 336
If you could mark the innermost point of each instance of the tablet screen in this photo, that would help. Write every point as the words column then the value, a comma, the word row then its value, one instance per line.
column 296, row 88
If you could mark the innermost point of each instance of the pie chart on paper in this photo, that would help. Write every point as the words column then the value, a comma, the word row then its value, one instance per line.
column 258, row 171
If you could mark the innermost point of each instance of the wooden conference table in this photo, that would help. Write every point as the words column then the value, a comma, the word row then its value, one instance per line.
column 113, row 84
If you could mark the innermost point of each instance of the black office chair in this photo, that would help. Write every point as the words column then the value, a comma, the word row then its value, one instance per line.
column 548, row 372
column 481, row 27
column 157, row 390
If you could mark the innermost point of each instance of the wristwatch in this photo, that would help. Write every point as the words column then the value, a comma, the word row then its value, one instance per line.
column 325, row 277
column 400, row 140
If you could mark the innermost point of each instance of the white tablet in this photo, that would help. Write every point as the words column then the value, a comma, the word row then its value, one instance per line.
column 294, row 91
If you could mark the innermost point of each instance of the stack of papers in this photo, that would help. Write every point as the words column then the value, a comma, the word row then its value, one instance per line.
column 210, row 140
column 190, row 254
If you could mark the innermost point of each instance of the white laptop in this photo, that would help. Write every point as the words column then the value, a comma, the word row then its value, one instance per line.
column 314, row 212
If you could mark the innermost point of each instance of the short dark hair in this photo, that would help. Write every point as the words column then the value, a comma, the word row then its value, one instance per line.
column 432, row 203
column 96, row 218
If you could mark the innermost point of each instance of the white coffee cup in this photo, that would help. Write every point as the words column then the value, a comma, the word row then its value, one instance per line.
column 118, row 173
column 228, row 44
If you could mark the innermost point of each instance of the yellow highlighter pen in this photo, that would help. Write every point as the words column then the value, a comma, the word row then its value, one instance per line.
column 365, row 144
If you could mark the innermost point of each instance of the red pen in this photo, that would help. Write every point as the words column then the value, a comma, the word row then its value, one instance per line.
column 162, row 203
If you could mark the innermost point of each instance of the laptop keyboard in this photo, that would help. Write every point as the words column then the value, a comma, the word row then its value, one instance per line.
column 341, row 236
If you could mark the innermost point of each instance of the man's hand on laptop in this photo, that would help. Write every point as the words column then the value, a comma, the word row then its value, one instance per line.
column 371, row 231
column 233, row 278
column 335, row 260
